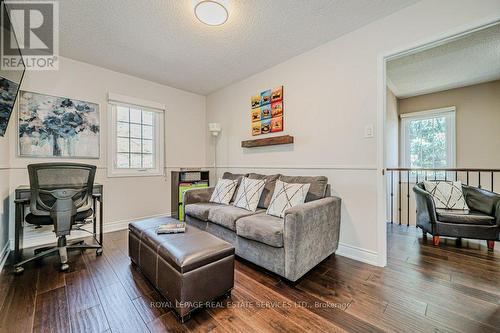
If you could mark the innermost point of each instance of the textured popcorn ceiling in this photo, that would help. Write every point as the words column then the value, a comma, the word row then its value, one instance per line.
column 162, row 41
column 472, row 59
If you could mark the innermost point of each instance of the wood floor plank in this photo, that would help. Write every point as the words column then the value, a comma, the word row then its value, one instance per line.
column 51, row 312
column 151, row 306
column 91, row 320
column 120, row 312
column 18, row 308
column 81, row 291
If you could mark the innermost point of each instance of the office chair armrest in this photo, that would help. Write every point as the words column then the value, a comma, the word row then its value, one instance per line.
column 98, row 196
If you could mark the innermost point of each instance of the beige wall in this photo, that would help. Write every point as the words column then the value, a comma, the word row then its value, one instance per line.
column 126, row 198
column 331, row 94
column 477, row 121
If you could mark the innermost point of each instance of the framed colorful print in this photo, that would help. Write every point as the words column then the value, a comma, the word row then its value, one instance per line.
column 265, row 126
column 256, row 128
column 255, row 115
column 277, row 94
column 255, row 101
column 51, row 126
column 265, row 112
column 265, row 97
column 277, row 124
column 277, row 109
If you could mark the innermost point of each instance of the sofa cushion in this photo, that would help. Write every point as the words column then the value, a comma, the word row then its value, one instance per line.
column 234, row 176
column 262, row 228
column 226, row 216
column 287, row 196
column 267, row 193
column 249, row 193
column 200, row 210
column 464, row 217
column 224, row 191
column 317, row 190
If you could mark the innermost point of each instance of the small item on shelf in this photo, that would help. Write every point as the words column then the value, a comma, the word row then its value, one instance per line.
column 171, row 228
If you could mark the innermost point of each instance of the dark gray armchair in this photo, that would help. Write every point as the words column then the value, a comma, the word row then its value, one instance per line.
column 482, row 221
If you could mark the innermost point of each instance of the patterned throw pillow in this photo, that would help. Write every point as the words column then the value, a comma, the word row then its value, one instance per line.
column 286, row 196
column 249, row 193
column 446, row 194
column 224, row 191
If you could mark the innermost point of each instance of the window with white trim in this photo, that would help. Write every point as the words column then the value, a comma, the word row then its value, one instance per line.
column 428, row 138
column 136, row 140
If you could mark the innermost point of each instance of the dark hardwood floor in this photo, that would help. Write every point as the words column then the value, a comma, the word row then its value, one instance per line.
column 422, row 289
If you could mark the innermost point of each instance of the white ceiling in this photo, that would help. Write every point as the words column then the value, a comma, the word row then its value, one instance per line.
column 162, row 41
column 472, row 59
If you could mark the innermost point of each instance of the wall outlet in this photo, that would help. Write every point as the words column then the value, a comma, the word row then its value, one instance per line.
column 369, row 131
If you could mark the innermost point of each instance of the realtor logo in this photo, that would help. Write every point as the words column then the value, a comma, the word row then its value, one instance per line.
column 30, row 35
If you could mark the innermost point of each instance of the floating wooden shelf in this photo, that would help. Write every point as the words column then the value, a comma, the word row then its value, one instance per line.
column 276, row 140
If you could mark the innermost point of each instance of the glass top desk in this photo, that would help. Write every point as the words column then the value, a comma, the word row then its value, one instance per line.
column 22, row 200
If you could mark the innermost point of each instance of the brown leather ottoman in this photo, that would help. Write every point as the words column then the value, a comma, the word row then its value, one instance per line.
column 188, row 268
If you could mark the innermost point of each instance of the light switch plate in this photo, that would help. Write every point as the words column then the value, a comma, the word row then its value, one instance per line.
column 369, row 131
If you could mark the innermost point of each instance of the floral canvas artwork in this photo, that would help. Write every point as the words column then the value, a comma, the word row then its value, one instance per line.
column 8, row 92
column 51, row 126
column 267, row 111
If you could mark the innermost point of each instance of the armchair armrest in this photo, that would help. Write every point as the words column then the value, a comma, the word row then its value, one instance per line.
column 197, row 195
column 426, row 208
column 311, row 233
column 497, row 213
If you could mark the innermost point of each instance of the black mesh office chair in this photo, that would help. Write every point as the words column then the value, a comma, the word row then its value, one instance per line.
column 61, row 194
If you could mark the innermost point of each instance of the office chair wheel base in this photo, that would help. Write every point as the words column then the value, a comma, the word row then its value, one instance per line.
column 64, row 267
column 98, row 252
column 18, row 270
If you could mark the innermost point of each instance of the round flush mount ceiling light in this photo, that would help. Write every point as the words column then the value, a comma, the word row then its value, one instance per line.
column 211, row 12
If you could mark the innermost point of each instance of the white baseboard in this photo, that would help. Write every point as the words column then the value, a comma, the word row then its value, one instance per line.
column 48, row 237
column 359, row 254
column 4, row 254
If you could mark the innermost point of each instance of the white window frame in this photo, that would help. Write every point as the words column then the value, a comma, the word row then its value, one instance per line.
column 115, row 100
column 449, row 113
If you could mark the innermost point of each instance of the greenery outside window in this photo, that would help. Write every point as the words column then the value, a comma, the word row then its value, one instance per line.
column 428, row 139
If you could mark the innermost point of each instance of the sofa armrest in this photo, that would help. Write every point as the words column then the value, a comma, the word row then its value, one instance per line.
column 426, row 208
column 311, row 233
column 197, row 195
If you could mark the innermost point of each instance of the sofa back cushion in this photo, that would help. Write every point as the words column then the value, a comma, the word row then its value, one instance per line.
column 481, row 200
column 267, row 193
column 317, row 190
column 234, row 176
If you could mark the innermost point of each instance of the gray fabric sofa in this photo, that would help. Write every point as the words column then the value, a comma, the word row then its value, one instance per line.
column 289, row 246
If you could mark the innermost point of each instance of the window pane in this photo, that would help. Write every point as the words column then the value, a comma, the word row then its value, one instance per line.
column 122, row 161
column 135, row 145
column 147, row 132
column 135, row 116
column 121, row 113
column 147, row 161
column 122, row 129
column 428, row 143
column 135, row 131
column 147, row 146
column 122, row 145
column 147, row 117
column 135, row 161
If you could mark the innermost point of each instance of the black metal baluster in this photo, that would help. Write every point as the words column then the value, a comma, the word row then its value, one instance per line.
column 408, row 199
column 399, row 195
column 392, row 196
column 456, row 175
column 492, row 182
column 416, row 182
column 479, row 175
column 425, row 174
column 467, row 177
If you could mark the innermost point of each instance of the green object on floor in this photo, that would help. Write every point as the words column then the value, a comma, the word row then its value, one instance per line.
column 182, row 189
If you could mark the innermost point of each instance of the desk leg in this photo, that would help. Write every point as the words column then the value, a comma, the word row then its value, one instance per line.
column 18, row 230
column 100, row 221
column 94, row 205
